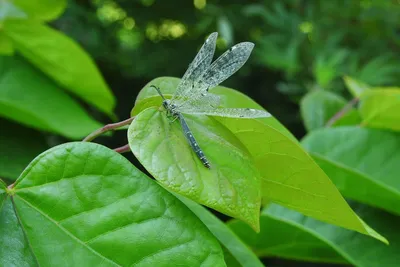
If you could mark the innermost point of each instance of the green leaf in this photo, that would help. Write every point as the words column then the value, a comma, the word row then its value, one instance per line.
column 290, row 177
column 377, row 70
column 231, row 186
column 230, row 260
column 30, row 98
column 62, row 59
column 19, row 146
column 236, row 248
column 318, row 106
column 283, row 238
column 289, row 234
column 363, row 163
column 93, row 206
column 355, row 87
column 41, row 9
column 380, row 108
column 327, row 66
column 303, row 186
column 6, row 46
column 230, row 98
column 15, row 249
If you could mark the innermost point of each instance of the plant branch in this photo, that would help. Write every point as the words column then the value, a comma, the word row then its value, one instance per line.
column 342, row 112
column 106, row 128
column 122, row 149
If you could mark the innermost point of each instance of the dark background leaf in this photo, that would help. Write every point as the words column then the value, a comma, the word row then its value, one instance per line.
column 18, row 146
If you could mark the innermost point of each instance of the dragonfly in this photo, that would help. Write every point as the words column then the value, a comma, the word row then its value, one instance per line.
column 192, row 95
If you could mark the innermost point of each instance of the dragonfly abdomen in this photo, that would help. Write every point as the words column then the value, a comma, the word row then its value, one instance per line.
column 192, row 142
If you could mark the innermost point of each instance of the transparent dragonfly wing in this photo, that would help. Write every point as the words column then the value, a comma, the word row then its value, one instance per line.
column 196, row 69
column 226, row 65
column 208, row 102
column 243, row 113
column 221, row 69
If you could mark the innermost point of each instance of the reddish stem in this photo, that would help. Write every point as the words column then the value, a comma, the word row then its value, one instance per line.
column 122, row 149
column 106, row 128
column 342, row 112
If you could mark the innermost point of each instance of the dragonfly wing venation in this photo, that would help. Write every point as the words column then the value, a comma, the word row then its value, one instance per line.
column 226, row 65
column 195, row 70
column 243, row 113
column 208, row 102
column 221, row 69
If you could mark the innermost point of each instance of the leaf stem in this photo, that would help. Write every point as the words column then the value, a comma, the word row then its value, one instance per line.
column 106, row 128
column 342, row 112
column 122, row 149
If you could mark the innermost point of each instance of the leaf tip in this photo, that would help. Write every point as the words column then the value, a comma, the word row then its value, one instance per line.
column 371, row 232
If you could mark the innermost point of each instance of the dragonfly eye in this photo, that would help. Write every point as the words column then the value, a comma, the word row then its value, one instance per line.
column 165, row 104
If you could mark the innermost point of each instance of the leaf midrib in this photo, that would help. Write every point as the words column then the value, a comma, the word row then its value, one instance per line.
column 66, row 231
column 23, row 230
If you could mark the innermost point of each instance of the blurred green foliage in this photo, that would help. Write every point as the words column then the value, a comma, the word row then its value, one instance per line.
column 303, row 50
column 300, row 45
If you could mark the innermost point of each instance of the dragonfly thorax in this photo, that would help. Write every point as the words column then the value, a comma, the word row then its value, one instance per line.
column 171, row 108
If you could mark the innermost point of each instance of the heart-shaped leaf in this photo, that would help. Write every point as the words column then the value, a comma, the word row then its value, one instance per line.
column 231, row 186
column 380, row 108
column 363, row 163
column 289, row 234
column 62, row 59
column 83, row 203
column 43, row 106
column 318, row 106
column 238, row 250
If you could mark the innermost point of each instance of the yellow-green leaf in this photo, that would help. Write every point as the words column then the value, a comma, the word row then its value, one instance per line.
column 41, row 9
column 232, row 184
column 290, row 177
column 355, row 87
column 6, row 46
column 380, row 108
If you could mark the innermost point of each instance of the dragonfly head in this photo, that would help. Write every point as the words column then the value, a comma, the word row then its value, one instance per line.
column 166, row 105
column 171, row 108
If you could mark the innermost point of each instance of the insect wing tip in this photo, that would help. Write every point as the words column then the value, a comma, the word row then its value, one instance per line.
column 212, row 37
